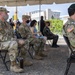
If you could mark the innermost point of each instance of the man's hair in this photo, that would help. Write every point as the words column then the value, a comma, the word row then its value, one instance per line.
column 71, row 10
column 41, row 17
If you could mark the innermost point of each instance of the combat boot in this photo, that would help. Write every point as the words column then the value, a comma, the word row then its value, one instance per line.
column 42, row 54
column 27, row 63
column 37, row 57
column 15, row 68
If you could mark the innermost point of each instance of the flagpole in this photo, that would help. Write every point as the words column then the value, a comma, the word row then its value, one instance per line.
column 15, row 17
column 39, row 13
column 16, row 14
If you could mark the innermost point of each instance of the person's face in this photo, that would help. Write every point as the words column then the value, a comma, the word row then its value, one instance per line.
column 35, row 23
column 24, row 20
column 47, row 24
column 4, row 15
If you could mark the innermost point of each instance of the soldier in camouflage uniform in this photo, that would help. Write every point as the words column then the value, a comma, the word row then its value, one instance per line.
column 23, row 46
column 25, row 32
column 7, row 42
column 69, row 26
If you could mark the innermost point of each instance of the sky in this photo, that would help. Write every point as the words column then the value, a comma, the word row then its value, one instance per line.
column 22, row 9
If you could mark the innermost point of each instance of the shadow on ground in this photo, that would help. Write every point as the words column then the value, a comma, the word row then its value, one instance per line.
column 54, row 64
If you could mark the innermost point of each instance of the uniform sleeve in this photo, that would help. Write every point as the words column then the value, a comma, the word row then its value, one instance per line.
column 64, row 29
column 27, row 31
column 21, row 31
column 1, row 33
column 74, row 31
column 12, row 33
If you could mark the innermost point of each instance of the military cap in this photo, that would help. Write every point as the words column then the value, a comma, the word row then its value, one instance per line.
column 2, row 9
column 25, row 16
column 72, row 7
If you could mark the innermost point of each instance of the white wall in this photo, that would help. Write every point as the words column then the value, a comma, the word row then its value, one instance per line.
column 47, row 14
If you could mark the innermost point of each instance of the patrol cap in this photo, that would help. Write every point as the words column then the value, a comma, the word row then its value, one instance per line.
column 25, row 16
column 2, row 9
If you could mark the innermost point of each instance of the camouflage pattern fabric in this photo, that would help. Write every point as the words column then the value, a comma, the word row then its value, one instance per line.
column 7, row 42
column 25, row 32
column 23, row 48
column 69, row 31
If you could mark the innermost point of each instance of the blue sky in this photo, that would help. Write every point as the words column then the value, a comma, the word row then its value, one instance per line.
column 22, row 9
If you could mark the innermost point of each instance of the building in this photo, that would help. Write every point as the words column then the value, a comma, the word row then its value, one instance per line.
column 64, row 18
column 56, row 14
column 47, row 14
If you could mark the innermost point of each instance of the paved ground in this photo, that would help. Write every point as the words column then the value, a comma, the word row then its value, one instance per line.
column 54, row 64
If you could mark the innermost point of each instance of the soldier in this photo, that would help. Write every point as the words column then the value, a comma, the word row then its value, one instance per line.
column 69, row 26
column 25, row 32
column 7, row 41
column 23, row 46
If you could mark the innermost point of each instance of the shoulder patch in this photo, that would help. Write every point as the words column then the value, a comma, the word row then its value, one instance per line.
column 70, row 28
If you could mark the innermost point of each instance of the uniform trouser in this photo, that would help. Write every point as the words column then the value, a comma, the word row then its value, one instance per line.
column 73, row 48
column 23, row 48
column 55, row 39
column 12, row 48
column 38, row 44
column 42, row 44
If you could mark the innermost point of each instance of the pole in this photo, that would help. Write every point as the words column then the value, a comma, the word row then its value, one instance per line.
column 15, row 17
column 16, row 12
column 39, row 13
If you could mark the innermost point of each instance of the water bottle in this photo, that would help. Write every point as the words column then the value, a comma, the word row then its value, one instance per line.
column 21, row 63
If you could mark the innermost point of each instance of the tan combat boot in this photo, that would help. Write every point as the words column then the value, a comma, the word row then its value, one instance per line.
column 42, row 54
column 15, row 68
column 37, row 57
column 27, row 63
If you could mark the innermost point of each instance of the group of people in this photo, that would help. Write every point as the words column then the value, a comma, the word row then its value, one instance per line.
column 14, row 24
column 29, row 35
column 11, row 43
column 45, row 30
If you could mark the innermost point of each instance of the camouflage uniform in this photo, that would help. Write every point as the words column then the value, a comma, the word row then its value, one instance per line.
column 8, row 42
column 69, row 31
column 70, row 24
column 25, row 32
column 23, row 48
